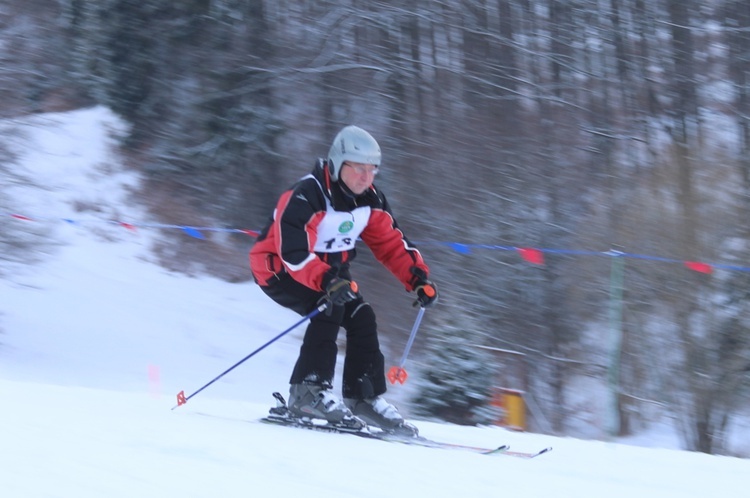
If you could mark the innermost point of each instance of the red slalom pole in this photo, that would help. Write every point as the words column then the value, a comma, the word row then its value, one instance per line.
column 182, row 399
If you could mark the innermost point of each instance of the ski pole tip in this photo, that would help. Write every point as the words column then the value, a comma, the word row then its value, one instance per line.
column 181, row 399
column 397, row 374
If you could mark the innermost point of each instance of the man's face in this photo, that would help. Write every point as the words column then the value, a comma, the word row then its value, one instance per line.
column 358, row 176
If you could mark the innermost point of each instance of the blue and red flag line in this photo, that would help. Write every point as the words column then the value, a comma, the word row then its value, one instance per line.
column 531, row 255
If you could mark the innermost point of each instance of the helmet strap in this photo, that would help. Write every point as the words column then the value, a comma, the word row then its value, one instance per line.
column 327, row 176
column 347, row 192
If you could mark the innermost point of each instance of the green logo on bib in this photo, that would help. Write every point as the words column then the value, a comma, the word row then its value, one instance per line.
column 346, row 226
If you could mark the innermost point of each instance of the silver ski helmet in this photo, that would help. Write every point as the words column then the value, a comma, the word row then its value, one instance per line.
column 353, row 144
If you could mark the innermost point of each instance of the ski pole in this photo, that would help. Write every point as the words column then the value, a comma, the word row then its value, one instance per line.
column 182, row 399
column 398, row 374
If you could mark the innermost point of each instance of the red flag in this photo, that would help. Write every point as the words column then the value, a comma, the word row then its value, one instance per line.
column 699, row 267
column 154, row 380
column 532, row 255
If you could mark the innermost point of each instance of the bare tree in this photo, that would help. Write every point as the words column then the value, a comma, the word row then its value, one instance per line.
column 504, row 123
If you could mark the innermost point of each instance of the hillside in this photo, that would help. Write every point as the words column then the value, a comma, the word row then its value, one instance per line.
column 96, row 340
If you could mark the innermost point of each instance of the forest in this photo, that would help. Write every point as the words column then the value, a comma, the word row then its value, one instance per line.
column 575, row 172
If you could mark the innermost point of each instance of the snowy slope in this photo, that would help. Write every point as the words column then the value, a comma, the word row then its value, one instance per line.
column 96, row 340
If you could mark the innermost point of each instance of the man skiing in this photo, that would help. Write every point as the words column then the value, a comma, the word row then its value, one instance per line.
column 302, row 258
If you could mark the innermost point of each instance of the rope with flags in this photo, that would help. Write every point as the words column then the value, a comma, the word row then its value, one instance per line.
column 532, row 255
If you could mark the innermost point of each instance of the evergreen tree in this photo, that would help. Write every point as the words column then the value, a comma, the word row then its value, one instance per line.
column 457, row 384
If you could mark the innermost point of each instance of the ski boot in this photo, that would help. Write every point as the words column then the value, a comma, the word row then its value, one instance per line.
column 316, row 400
column 379, row 413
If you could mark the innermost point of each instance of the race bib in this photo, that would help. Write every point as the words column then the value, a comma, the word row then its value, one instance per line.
column 339, row 231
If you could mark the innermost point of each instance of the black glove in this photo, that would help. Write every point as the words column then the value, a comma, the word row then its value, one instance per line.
column 427, row 293
column 340, row 291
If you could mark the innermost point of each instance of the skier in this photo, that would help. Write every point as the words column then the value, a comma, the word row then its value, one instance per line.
column 301, row 259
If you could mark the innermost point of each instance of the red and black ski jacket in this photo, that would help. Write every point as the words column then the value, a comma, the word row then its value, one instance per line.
column 315, row 227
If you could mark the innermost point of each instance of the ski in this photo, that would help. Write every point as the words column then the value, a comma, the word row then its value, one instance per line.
column 430, row 443
column 280, row 415
column 527, row 455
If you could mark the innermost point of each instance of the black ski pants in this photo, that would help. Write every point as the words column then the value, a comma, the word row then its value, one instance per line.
column 364, row 364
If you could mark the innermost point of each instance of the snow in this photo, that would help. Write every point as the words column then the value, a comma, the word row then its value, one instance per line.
column 96, row 340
